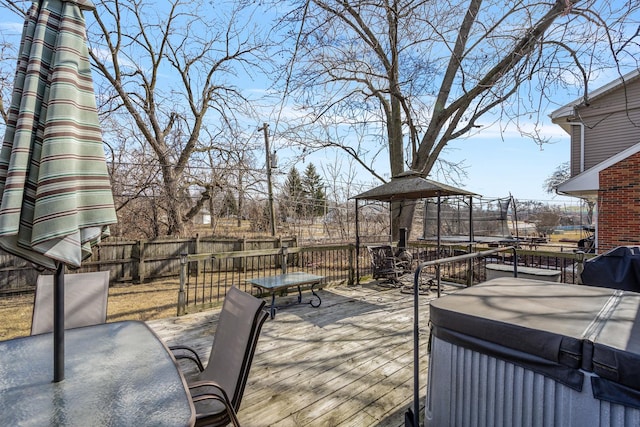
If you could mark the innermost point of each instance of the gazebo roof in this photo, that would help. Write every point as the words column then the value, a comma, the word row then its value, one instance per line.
column 409, row 186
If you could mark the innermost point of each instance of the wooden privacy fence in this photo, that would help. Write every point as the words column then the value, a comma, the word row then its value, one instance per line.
column 134, row 261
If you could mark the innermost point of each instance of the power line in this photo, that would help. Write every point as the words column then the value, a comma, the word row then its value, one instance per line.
column 158, row 165
column 291, row 62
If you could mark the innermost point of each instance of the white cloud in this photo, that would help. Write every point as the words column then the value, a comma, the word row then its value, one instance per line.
column 11, row 28
column 104, row 55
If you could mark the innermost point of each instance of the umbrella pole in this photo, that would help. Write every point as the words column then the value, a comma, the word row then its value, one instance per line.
column 58, row 324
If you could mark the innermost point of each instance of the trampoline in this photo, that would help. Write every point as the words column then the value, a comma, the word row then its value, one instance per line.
column 469, row 220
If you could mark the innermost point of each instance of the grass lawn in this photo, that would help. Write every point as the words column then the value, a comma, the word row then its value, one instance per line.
column 126, row 302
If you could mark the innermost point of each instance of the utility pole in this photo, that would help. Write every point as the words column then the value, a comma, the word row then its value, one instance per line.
column 272, row 212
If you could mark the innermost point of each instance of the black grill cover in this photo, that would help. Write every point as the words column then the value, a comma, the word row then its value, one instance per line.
column 617, row 269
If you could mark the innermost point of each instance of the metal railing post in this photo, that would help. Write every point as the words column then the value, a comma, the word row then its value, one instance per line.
column 182, row 303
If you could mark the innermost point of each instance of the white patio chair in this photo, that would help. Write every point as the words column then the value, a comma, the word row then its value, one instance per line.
column 85, row 301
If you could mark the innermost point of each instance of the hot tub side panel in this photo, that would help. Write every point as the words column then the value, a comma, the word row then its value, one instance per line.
column 467, row 388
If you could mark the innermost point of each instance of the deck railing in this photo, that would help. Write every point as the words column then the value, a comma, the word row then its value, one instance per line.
column 472, row 270
column 465, row 263
column 205, row 278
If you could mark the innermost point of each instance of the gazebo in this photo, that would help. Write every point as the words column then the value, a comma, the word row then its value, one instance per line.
column 409, row 185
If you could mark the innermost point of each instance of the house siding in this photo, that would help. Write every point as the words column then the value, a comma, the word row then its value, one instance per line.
column 619, row 204
column 615, row 133
column 612, row 124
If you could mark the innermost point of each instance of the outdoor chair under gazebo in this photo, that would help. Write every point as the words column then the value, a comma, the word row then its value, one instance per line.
column 386, row 265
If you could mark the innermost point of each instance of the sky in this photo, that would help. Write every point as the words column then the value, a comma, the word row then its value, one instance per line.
column 497, row 164
column 503, row 163
column 512, row 164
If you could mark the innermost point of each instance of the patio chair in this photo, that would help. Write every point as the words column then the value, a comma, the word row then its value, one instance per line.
column 385, row 265
column 85, row 301
column 218, row 388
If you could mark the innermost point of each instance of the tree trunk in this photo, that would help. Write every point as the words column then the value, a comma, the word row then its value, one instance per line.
column 175, row 226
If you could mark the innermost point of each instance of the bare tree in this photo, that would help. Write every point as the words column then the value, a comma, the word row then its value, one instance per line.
column 341, row 175
column 238, row 172
column 133, row 183
column 546, row 220
column 171, row 72
column 560, row 175
column 16, row 7
column 6, row 84
column 419, row 74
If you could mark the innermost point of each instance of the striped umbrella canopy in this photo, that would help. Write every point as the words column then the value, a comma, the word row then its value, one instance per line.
column 55, row 192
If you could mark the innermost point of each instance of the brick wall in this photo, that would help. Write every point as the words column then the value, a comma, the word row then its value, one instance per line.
column 619, row 204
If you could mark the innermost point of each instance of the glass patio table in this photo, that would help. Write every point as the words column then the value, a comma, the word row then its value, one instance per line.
column 272, row 284
column 116, row 374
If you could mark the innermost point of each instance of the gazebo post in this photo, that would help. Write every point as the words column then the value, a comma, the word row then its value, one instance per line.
column 357, row 246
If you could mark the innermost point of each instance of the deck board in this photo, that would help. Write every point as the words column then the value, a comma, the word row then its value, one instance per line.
column 346, row 363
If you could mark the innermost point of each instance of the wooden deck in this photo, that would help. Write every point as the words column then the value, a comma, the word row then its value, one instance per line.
column 347, row 363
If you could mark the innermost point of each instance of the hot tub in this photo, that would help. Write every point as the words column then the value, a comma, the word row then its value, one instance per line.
column 518, row 352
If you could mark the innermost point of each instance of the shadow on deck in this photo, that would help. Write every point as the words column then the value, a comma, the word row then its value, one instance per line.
column 347, row 363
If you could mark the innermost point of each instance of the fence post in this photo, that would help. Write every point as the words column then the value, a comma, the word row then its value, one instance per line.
column 182, row 303
column 196, row 250
column 141, row 266
column 352, row 268
column 285, row 255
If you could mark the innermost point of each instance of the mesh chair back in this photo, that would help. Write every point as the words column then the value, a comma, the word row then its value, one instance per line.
column 85, row 301
column 234, row 344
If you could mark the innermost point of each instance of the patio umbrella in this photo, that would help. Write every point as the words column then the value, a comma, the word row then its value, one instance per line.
column 55, row 192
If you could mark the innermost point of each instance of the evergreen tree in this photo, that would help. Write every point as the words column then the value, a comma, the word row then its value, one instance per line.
column 294, row 195
column 229, row 205
column 313, row 188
